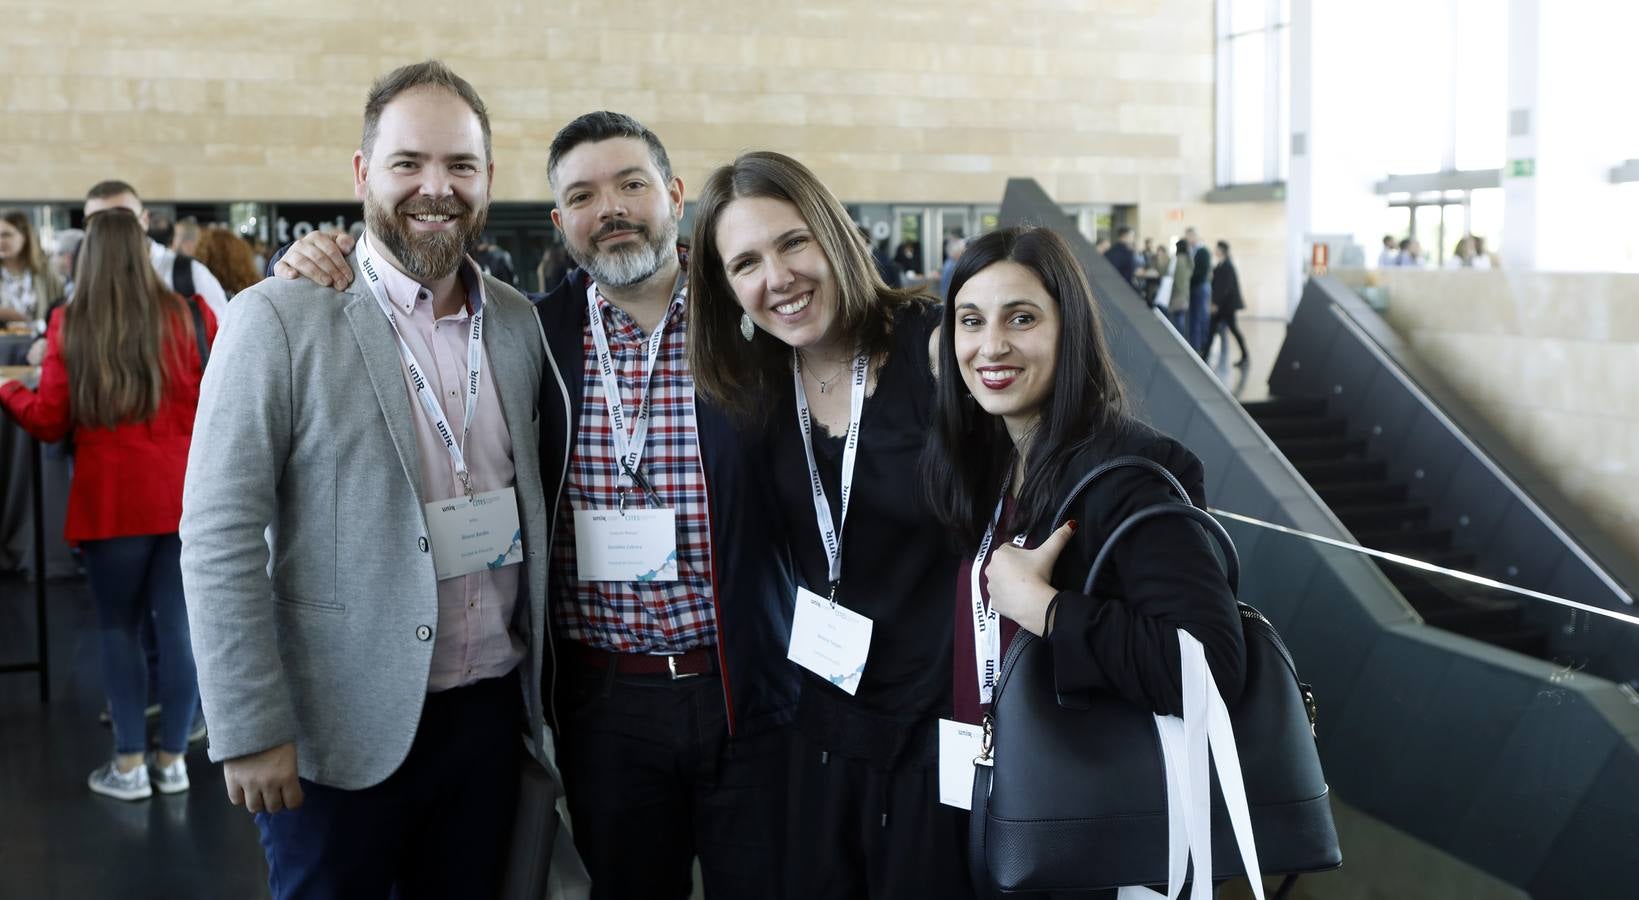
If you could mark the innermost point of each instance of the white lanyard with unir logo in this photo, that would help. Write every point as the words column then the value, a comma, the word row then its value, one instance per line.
column 629, row 445
column 831, row 532
column 370, row 264
column 987, row 632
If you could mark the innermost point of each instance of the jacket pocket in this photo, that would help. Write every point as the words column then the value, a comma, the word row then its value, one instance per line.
column 303, row 604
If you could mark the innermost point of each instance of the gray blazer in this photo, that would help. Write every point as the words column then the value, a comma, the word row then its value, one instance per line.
column 304, row 444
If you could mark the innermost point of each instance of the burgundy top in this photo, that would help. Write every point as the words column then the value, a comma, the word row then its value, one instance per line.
column 965, row 673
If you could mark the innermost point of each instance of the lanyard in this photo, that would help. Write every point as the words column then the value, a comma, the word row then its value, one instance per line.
column 829, row 531
column 987, row 632
column 628, row 444
column 429, row 403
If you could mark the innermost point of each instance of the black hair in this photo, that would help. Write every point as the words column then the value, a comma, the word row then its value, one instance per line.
column 602, row 126
column 969, row 451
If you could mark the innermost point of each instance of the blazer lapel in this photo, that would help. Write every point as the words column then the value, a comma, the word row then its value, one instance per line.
column 379, row 348
column 509, row 372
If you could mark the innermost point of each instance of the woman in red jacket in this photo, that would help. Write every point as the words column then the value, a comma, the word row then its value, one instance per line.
column 121, row 374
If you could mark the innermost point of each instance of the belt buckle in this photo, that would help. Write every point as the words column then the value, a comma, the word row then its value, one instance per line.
column 671, row 667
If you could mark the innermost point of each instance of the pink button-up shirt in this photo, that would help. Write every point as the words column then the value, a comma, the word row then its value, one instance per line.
column 475, row 638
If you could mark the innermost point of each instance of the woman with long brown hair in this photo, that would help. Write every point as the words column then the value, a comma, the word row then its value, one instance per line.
column 792, row 327
column 28, row 287
column 121, row 374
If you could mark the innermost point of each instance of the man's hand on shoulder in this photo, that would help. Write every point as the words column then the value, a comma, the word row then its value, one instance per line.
column 264, row 782
column 320, row 258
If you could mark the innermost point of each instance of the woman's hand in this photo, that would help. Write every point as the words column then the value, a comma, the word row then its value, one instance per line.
column 1018, row 580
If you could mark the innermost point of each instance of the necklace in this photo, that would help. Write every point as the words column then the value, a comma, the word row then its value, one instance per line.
column 825, row 383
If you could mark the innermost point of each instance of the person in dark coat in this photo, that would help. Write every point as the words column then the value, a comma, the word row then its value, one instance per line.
column 1121, row 254
column 1226, row 301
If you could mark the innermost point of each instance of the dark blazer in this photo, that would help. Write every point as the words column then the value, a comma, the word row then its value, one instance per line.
column 1203, row 267
column 1162, row 577
column 752, row 572
column 1121, row 256
column 1226, row 288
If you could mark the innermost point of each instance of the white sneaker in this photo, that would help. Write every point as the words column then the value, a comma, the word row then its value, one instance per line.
column 109, row 781
column 172, row 779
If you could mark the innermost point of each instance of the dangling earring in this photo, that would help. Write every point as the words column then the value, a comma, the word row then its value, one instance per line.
column 747, row 330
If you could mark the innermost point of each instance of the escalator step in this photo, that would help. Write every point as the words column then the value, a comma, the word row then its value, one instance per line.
column 1326, row 472
column 1340, row 493
column 1282, row 428
column 1322, row 448
column 1287, row 406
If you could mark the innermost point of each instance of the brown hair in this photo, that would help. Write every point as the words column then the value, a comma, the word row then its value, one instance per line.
column 33, row 257
column 431, row 73
column 737, row 375
column 116, row 327
column 228, row 257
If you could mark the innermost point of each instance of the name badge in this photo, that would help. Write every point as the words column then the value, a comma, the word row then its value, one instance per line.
column 475, row 535
column 959, row 744
column 829, row 640
column 626, row 545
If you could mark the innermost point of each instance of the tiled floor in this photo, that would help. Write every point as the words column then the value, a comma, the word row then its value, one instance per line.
column 57, row 839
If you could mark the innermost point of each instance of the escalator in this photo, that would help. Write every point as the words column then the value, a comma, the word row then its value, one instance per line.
column 1381, row 513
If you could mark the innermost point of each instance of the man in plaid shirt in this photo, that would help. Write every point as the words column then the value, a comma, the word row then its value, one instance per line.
column 672, row 695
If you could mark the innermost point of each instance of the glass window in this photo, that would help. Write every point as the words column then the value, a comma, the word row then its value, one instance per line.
column 1482, row 84
column 1253, row 51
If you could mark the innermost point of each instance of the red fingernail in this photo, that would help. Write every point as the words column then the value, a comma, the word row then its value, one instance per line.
column 1072, row 524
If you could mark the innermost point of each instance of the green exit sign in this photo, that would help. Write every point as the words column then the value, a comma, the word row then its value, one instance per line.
column 1522, row 168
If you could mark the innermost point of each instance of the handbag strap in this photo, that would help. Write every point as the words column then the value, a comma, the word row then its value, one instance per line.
column 978, row 869
column 1129, row 461
column 1232, row 560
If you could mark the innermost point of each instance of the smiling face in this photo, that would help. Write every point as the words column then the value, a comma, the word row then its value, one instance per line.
column 618, row 214
column 780, row 276
column 425, row 186
column 1007, row 339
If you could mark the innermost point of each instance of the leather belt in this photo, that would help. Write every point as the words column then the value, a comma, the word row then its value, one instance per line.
column 699, row 661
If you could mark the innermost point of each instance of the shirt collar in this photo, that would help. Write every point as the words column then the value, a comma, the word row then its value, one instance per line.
column 404, row 292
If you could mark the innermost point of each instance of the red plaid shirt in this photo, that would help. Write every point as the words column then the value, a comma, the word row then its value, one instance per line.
column 632, row 617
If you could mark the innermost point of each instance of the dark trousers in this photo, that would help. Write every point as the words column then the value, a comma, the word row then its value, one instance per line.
column 862, row 832
column 1200, row 307
column 437, row 827
column 137, row 584
column 1222, row 320
column 654, row 781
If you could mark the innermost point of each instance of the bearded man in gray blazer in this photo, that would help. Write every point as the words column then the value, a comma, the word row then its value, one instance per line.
column 374, row 688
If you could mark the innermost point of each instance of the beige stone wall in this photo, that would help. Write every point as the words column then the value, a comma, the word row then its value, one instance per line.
column 1107, row 101
column 1551, row 359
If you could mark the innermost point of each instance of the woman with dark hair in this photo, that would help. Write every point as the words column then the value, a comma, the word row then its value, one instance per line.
column 1177, row 303
column 792, row 328
column 29, row 289
column 1031, row 404
column 121, row 374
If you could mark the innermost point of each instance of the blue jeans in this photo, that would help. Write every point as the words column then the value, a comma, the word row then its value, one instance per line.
column 133, row 579
column 437, row 827
column 1200, row 306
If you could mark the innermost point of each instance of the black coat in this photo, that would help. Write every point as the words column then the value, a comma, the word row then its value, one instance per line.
column 1121, row 256
column 1226, row 288
column 1163, row 576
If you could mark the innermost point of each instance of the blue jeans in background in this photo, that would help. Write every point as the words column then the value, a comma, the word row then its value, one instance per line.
column 132, row 579
column 1200, row 307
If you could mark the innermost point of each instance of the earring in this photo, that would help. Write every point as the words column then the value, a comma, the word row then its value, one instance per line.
column 747, row 330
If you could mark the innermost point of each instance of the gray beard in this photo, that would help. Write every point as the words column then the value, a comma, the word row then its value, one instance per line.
column 624, row 268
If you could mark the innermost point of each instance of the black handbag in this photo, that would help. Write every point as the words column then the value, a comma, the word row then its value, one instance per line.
column 1071, row 793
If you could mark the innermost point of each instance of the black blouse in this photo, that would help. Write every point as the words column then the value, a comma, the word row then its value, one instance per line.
column 897, row 565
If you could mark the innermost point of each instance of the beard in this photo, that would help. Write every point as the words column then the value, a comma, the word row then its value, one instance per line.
column 628, row 264
column 426, row 256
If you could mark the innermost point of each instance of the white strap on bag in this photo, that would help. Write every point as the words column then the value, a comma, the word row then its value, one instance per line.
column 1187, row 744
